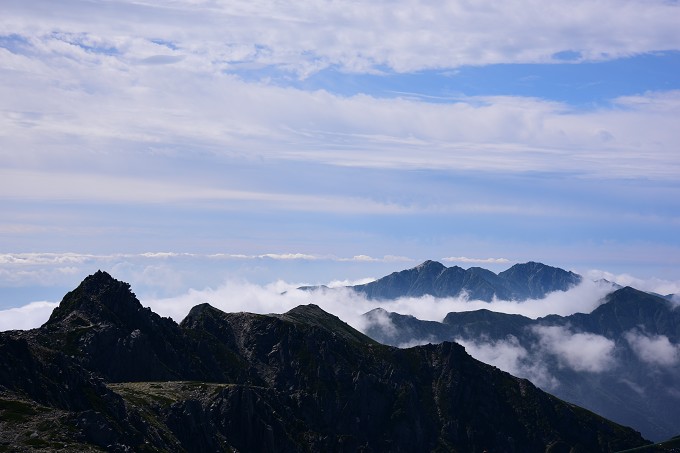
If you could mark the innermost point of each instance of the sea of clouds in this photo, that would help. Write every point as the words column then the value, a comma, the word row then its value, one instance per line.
column 578, row 351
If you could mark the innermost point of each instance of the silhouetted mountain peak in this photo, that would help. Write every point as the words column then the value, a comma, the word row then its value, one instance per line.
column 99, row 298
column 314, row 316
column 627, row 292
column 202, row 310
column 306, row 310
column 632, row 298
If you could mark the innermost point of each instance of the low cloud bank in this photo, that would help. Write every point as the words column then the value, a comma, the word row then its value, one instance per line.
column 280, row 296
column 578, row 351
column 653, row 349
column 511, row 356
column 653, row 284
column 26, row 317
column 582, row 298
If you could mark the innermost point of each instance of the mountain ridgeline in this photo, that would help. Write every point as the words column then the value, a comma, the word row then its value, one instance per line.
column 521, row 282
column 104, row 373
column 621, row 360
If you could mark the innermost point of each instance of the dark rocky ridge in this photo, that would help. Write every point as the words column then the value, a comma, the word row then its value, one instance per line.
column 300, row 381
column 631, row 392
column 521, row 282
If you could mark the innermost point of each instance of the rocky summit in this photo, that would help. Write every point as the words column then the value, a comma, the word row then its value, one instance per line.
column 106, row 374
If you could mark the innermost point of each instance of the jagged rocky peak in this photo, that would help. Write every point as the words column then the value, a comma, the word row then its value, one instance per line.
column 98, row 298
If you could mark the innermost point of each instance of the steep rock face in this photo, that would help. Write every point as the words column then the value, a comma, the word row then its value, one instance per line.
column 104, row 326
column 615, row 371
column 359, row 394
column 50, row 377
column 300, row 381
column 520, row 282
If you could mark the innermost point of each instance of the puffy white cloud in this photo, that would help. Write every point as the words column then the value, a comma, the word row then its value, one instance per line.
column 27, row 317
column 509, row 355
column 380, row 318
column 653, row 349
column 653, row 284
column 578, row 351
column 277, row 297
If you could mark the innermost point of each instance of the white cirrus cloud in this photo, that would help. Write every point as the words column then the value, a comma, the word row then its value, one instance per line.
column 308, row 36
column 464, row 259
column 32, row 185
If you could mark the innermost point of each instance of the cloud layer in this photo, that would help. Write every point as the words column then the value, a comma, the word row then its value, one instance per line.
column 653, row 349
column 576, row 350
column 280, row 296
column 313, row 35
column 157, row 80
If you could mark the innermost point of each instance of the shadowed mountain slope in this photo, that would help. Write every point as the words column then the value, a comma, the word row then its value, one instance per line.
column 106, row 373
column 622, row 360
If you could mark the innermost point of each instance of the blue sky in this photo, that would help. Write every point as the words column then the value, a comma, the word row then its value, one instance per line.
column 180, row 144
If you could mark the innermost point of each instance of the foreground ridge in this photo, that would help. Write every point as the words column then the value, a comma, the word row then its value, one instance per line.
column 104, row 372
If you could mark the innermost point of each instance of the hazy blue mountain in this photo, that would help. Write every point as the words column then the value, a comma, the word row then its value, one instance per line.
column 534, row 280
column 634, row 334
column 520, row 282
column 106, row 374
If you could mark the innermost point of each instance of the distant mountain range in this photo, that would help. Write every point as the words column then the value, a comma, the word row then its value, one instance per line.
column 522, row 281
column 622, row 360
column 104, row 373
